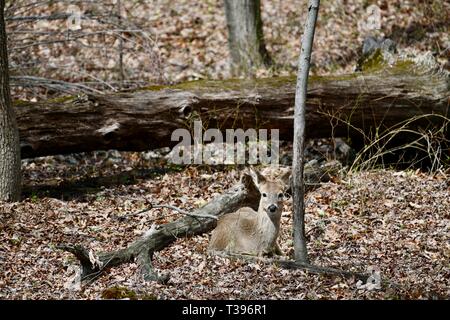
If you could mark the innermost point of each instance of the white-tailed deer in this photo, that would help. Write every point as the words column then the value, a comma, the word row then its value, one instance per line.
column 249, row 232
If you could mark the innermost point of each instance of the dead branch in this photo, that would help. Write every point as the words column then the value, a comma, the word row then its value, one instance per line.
column 57, row 85
column 291, row 264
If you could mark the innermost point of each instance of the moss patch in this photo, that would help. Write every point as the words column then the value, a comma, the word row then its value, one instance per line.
column 118, row 293
column 61, row 99
column 20, row 103
column 374, row 62
column 226, row 85
column 58, row 100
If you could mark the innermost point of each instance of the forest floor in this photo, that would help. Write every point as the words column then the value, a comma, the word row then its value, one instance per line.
column 397, row 221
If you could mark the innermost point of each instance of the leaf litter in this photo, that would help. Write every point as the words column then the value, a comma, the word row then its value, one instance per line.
column 349, row 226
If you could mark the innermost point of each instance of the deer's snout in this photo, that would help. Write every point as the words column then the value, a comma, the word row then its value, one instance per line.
column 272, row 208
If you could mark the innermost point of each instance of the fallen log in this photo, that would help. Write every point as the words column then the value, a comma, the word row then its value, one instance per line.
column 141, row 250
column 350, row 105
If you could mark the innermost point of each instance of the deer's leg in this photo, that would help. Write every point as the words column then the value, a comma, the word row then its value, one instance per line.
column 277, row 249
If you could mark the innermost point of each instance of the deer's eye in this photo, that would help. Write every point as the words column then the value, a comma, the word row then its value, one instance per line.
column 280, row 195
column 264, row 195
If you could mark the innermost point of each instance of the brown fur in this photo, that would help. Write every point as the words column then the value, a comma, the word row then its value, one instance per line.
column 253, row 232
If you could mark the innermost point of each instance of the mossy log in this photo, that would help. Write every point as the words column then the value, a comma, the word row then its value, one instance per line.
column 344, row 106
column 93, row 265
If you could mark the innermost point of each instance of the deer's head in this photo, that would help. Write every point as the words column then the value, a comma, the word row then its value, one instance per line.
column 272, row 192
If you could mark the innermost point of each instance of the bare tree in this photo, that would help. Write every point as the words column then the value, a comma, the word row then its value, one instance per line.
column 298, row 187
column 10, row 176
column 245, row 36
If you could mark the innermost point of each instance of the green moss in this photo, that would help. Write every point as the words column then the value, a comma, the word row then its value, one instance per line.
column 274, row 83
column 377, row 62
column 61, row 99
column 15, row 241
column 22, row 103
column 34, row 198
column 404, row 65
column 155, row 88
column 339, row 77
column 118, row 293
column 374, row 62
column 234, row 84
column 229, row 84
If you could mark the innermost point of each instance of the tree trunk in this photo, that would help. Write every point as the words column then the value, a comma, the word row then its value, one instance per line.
column 245, row 36
column 10, row 166
column 300, row 249
column 342, row 106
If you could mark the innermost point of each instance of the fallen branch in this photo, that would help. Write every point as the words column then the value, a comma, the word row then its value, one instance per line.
column 292, row 264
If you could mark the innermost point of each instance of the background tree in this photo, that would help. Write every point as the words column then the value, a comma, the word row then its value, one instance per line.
column 298, row 186
column 10, row 180
column 245, row 36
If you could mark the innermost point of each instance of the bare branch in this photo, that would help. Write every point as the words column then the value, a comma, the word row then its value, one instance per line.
column 153, row 206
column 58, row 85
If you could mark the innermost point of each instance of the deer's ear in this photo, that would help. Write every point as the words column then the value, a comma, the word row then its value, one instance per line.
column 286, row 178
column 257, row 177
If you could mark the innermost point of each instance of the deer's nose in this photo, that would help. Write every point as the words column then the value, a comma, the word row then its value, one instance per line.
column 272, row 208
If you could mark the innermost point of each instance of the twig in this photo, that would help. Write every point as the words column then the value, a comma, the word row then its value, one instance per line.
column 53, row 84
column 56, row 16
column 184, row 212
column 154, row 206
column 101, row 82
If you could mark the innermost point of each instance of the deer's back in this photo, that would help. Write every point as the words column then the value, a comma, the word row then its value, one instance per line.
column 235, row 232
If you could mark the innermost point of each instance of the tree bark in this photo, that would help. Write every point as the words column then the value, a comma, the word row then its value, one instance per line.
column 10, row 166
column 340, row 106
column 300, row 249
column 245, row 36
